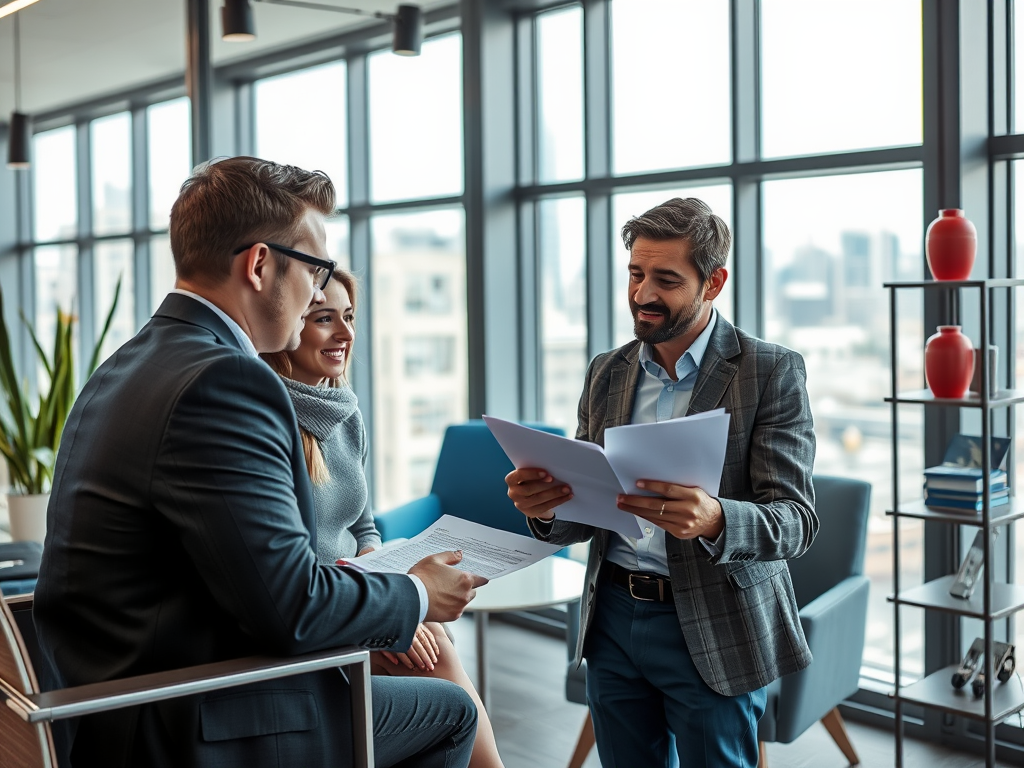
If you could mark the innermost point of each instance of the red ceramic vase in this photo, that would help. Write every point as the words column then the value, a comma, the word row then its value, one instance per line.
column 950, row 244
column 948, row 362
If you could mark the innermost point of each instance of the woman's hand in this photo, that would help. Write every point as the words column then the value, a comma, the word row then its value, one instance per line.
column 365, row 551
column 422, row 655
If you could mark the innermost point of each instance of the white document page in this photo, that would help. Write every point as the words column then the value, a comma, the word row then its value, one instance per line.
column 486, row 551
column 689, row 451
column 581, row 465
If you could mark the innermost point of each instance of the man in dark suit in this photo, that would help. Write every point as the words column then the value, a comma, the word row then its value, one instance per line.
column 181, row 520
column 685, row 627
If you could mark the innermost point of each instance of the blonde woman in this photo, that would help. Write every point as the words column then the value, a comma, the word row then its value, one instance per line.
column 335, row 444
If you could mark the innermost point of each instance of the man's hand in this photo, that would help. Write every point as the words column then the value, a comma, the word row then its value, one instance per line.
column 684, row 512
column 448, row 589
column 423, row 654
column 535, row 492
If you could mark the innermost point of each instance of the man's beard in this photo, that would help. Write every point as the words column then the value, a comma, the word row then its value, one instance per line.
column 674, row 326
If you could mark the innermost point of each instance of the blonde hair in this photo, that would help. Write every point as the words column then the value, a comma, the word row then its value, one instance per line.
column 281, row 362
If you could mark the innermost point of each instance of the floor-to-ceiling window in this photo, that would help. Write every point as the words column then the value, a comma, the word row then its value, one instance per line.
column 399, row 227
column 762, row 129
column 798, row 121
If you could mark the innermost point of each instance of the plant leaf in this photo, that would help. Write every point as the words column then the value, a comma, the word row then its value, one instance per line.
column 95, row 360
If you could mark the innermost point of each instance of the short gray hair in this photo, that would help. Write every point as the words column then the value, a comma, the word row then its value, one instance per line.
column 690, row 219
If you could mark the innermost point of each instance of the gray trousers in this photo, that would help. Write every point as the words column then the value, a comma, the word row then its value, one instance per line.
column 421, row 723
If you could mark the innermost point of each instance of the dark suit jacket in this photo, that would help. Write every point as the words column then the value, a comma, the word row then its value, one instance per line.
column 737, row 610
column 180, row 531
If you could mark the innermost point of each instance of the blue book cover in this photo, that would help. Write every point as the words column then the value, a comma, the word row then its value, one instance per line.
column 959, row 504
column 964, row 451
column 964, row 479
column 962, row 483
column 964, row 495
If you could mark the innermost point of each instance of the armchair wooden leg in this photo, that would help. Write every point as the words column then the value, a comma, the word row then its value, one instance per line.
column 584, row 744
column 762, row 755
column 836, row 728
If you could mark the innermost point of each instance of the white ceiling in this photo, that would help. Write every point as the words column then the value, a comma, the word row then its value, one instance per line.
column 74, row 50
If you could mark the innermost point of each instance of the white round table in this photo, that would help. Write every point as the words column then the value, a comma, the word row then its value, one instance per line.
column 552, row 581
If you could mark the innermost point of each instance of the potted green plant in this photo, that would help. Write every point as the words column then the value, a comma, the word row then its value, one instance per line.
column 31, row 428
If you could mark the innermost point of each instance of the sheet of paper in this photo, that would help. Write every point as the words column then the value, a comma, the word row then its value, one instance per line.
column 689, row 450
column 486, row 551
column 582, row 465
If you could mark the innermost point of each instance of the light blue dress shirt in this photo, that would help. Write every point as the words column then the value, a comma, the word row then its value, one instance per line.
column 249, row 348
column 659, row 398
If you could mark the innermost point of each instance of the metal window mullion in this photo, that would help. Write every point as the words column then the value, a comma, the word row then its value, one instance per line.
column 199, row 77
column 15, row 260
column 245, row 118
column 86, row 256
column 747, row 248
column 26, row 274
column 598, row 160
column 489, row 129
column 357, row 117
column 529, row 345
column 526, row 87
column 140, row 214
column 530, row 386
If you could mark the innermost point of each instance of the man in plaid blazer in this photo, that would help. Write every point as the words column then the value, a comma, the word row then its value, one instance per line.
column 684, row 628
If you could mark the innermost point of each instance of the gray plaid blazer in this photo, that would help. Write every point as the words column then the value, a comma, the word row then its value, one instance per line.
column 737, row 610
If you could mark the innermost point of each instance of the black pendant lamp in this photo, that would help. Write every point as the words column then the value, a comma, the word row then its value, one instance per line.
column 236, row 21
column 406, row 23
column 19, row 139
column 407, row 26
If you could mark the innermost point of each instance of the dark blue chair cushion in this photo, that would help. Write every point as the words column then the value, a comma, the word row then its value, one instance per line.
column 19, row 566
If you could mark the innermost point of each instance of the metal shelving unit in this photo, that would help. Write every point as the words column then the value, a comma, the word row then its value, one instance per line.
column 994, row 600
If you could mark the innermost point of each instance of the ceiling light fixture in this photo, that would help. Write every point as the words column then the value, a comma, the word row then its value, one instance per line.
column 19, row 139
column 236, row 22
column 15, row 6
column 406, row 22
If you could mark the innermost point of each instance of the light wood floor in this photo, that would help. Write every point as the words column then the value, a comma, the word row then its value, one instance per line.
column 537, row 728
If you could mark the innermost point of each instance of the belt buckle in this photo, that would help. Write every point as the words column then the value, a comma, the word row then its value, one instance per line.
column 647, row 579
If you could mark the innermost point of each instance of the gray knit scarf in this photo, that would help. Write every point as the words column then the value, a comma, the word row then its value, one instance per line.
column 321, row 409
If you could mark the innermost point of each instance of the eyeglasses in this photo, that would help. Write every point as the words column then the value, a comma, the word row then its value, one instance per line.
column 324, row 267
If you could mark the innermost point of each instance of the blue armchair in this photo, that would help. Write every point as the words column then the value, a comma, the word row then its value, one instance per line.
column 469, row 482
column 832, row 592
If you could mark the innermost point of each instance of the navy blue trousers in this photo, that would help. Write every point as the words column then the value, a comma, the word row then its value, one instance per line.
column 421, row 722
column 649, row 703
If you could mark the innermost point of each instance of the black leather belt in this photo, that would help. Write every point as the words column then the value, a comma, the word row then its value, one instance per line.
column 650, row 587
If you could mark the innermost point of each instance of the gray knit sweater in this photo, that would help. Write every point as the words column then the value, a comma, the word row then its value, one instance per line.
column 344, row 522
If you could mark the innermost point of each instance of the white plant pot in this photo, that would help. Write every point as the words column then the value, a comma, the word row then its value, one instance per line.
column 28, row 516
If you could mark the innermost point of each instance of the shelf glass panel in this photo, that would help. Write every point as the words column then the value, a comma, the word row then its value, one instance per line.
column 1002, row 397
column 937, row 692
column 1006, row 598
column 996, row 282
column 998, row 516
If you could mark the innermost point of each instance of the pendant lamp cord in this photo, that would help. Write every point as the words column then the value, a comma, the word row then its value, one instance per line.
column 17, row 63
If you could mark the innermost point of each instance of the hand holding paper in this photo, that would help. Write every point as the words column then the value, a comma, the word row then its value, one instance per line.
column 689, row 451
column 449, row 590
column 464, row 545
column 684, row 511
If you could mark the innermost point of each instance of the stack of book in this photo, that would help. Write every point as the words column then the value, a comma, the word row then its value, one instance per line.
column 961, row 488
column 957, row 484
